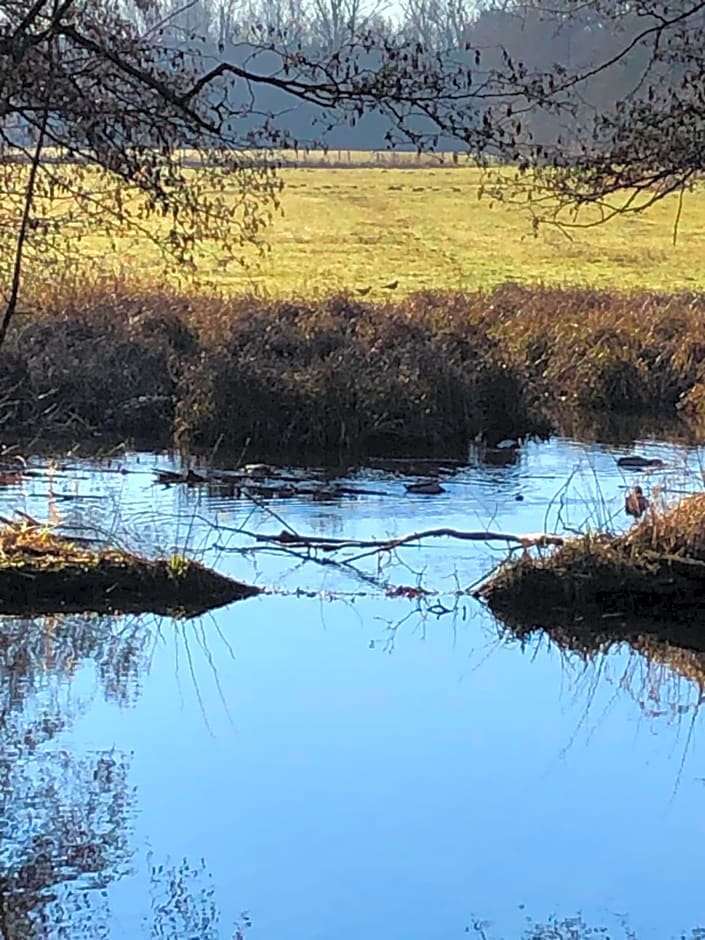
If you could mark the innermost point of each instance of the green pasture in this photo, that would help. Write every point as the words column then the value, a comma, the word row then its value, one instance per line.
column 360, row 228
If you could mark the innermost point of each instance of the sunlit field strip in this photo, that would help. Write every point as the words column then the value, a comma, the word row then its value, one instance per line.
column 360, row 229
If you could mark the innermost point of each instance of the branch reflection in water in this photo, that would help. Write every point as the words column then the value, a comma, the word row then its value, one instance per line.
column 65, row 818
column 615, row 927
column 665, row 679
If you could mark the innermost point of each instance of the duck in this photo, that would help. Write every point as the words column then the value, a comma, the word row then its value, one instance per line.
column 636, row 462
column 169, row 476
column 259, row 471
column 508, row 443
column 190, row 477
column 635, row 503
column 425, row 487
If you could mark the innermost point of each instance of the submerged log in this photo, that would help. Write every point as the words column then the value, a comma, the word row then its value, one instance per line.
column 42, row 573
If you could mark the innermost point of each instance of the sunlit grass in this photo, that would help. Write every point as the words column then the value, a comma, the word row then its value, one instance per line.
column 354, row 229
column 375, row 319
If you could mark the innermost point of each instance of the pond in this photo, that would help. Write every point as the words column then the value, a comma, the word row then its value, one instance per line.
column 328, row 760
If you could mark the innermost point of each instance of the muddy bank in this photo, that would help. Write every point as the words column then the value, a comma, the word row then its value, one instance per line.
column 425, row 375
column 42, row 573
column 596, row 628
column 654, row 573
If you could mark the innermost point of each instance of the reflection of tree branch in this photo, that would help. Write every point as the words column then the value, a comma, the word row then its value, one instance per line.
column 11, row 305
column 65, row 820
column 69, row 821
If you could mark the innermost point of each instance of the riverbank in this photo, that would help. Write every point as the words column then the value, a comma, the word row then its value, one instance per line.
column 426, row 374
column 649, row 580
column 44, row 572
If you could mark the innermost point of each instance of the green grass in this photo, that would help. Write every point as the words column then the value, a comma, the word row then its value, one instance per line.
column 347, row 229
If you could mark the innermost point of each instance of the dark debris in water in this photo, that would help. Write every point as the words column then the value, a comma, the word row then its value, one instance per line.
column 636, row 462
column 271, row 483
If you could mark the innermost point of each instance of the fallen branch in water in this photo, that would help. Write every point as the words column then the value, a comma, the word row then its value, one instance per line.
column 296, row 540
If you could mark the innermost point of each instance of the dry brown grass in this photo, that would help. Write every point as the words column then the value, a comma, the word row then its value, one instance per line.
column 39, row 546
column 655, row 571
column 334, row 376
column 426, row 372
column 626, row 352
column 677, row 531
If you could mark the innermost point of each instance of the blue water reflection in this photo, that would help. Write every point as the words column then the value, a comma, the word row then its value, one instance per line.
column 359, row 767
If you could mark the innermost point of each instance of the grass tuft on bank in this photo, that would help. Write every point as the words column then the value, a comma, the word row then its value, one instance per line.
column 44, row 572
column 655, row 571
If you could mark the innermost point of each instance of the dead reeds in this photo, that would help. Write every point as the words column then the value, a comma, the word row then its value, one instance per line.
column 426, row 373
column 655, row 571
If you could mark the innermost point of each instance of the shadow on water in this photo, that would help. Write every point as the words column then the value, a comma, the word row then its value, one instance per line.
column 65, row 817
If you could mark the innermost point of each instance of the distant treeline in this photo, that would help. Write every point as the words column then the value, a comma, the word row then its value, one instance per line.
column 537, row 35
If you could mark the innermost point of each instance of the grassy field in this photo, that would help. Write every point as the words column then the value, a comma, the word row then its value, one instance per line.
column 308, row 351
column 348, row 229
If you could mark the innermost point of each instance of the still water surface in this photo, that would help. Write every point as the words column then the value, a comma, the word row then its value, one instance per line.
column 325, row 761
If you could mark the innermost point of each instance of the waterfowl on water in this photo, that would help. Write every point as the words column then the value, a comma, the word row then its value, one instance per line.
column 640, row 463
column 508, row 443
column 169, row 476
column 635, row 503
column 425, row 487
column 258, row 471
column 190, row 477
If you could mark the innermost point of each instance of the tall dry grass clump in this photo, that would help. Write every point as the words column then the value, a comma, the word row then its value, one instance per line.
column 98, row 361
column 626, row 352
column 429, row 372
column 343, row 375
column 677, row 531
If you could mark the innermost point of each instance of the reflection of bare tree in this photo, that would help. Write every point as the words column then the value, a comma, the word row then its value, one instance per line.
column 32, row 652
column 65, row 818
column 568, row 928
column 665, row 679
column 182, row 905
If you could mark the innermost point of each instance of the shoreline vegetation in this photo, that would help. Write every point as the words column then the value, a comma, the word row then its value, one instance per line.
column 649, row 581
column 43, row 572
column 425, row 374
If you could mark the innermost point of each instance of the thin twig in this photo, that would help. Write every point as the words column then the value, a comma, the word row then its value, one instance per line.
column 11, row 305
